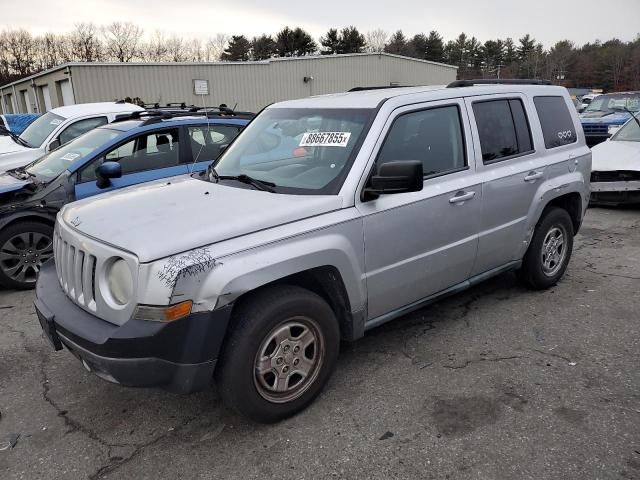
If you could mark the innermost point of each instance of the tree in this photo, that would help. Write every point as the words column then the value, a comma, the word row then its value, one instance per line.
column 330, row 42
column 417, row 46
column 376, row 40
column 176, row 51
column 157, row 49
column 85, row 43
column 238, row 49
column 215, row 47
column 263, row 47
column 434, row 50
column 558, row 60
column 292, row 43
column 351, row 41
column 22, row 49
column 397, row 44
column 122, row 40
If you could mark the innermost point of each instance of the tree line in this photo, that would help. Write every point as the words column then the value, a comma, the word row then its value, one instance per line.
column 612, row 65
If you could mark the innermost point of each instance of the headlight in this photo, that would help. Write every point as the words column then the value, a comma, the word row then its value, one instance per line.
column 120, row 282
column 613, row 129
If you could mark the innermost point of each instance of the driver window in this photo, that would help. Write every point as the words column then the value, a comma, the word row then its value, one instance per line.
column 145, row 152
column 433, row 136
column 81, row 126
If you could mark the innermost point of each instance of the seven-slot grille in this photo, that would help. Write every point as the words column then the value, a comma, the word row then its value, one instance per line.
column 595, row 128
column 76, row 271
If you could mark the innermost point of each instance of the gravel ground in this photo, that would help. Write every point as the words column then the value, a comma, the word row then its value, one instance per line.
column 496, row 382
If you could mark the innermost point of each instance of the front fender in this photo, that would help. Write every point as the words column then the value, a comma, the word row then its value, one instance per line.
column 227, row 278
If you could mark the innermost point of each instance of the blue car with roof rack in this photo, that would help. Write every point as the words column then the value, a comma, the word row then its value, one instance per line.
column 136, row 148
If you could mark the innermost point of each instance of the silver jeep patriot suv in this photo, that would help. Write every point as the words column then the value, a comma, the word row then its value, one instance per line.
column 326, row 217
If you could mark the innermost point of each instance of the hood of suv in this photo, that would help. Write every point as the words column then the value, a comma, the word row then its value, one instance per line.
column 164, row 218
column 615, row 155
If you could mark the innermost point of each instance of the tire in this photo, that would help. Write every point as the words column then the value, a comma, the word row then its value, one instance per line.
column 554, row 233
column 24, row 247
column 268, row 326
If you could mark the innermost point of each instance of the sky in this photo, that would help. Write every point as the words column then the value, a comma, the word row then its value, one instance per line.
column 547, row 21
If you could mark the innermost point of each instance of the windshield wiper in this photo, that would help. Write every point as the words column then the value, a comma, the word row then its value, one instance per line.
column 16, row 138
column 243, row 178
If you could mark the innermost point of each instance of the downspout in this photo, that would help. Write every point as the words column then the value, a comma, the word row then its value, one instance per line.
column 35, row 95
column 73, row 93
column 15, row 99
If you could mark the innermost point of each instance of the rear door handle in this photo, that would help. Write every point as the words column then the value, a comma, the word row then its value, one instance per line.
column 533, row 176
column 462, row 196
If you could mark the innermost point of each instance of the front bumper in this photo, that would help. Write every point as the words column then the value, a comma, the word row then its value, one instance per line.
column 615, row 193
column 177, row 356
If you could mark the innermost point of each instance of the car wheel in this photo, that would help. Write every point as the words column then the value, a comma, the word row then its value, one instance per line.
column 281, row 351
column 24, row 247
column 549, row 252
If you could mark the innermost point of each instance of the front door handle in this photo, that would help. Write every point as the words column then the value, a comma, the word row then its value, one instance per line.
column 462, row 197
column 533, row 176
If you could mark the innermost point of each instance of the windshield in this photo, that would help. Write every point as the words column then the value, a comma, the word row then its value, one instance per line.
column 611, row 103
column 36, row 133
column 54, row 163
column 629, row 133
column 306, row 151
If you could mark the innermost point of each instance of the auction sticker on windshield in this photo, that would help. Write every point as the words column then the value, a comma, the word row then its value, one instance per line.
column 325, row 139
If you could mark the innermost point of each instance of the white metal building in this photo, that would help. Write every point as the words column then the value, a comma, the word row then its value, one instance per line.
column 250, row 85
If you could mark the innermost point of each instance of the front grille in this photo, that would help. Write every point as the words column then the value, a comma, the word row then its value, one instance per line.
column 615, row 176
column 76, row 272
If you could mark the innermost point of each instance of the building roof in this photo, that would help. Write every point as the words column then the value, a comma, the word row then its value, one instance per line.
column 251, row 62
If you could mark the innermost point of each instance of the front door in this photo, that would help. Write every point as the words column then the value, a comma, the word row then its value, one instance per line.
column 421, row 243
column 147, row 157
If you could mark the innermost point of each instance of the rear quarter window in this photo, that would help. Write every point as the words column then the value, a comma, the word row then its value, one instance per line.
column 555, row 119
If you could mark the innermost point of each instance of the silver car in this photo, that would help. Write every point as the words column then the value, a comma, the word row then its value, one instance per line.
column 326, row 217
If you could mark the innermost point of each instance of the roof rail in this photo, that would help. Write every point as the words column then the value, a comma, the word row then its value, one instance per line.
column 363, row 89
column 498, row 81
column 154, row 116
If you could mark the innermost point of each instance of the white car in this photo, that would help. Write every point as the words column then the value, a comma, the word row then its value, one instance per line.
column 55, row 128
column 615, row 172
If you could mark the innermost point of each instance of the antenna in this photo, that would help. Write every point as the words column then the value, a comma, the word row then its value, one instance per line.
column 204, row 137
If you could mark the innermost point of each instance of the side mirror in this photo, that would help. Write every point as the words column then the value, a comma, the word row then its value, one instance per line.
column 53, row 145
column 106, row 172
column 397, row 177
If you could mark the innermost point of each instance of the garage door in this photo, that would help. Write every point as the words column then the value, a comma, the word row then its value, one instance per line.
column 67, row 93
column 27, row 103
column 47, row 97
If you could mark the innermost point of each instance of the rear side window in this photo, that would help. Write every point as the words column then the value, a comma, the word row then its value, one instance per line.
column 556, row 121
column 503, row 129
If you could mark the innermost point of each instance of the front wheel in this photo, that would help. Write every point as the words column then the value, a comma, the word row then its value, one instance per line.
column 24, row 247
column 282, row 349
column 549, row 252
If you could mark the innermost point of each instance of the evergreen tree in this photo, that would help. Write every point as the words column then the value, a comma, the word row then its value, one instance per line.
column 263, row 47
column 237, row 50
column 398, row 44
column 351, row 41
column 330, row 42
column 434, row 50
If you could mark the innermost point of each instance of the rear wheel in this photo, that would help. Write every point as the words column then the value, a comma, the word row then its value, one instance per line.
column 549, row 252
column 24, row 247
column 281, row 351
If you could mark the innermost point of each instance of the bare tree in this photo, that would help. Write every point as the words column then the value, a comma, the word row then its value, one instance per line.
column 122, row 40
column 157, row 50
column 215, row 47
column 376, row 40
column 85, row 43
column 176, row 51
column 195, row 53
column 22, row 51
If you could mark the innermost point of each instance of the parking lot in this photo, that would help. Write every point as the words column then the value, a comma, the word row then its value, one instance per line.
column 496, row 382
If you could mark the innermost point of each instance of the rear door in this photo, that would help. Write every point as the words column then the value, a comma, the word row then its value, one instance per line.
column 146, row 157
column 511, row 172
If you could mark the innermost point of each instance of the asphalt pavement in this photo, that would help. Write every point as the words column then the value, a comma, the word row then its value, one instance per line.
column 497, row 382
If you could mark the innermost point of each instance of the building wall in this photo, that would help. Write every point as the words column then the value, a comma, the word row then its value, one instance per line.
column 34, row 88
column 252, row 85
